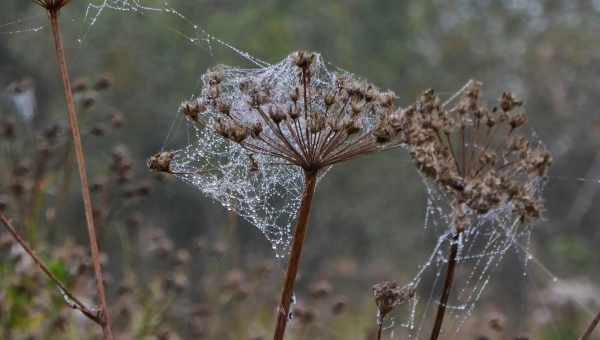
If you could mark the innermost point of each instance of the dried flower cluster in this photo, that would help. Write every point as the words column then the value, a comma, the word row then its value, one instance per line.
column 389, row 295
column 474, row 154
column 313, row 124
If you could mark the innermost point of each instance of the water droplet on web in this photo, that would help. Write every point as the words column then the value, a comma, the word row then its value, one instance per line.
column 79, row 41
column 529, row 257
column 195, row 27
column 554, row 279
column 293, row 300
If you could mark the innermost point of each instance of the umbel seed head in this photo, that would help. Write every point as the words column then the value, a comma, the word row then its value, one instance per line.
column 312, row 118
column 160, row 162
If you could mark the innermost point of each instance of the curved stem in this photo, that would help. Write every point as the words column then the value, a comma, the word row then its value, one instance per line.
column 72, row 301
column 87, row 201
column 310, row 181
column 439, row 319
column 590, row 328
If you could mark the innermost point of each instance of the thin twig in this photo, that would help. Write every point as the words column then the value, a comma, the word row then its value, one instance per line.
column 283, row 310
column 590, row 328
column 72, row 301
column 79, row 156
column 439, row 319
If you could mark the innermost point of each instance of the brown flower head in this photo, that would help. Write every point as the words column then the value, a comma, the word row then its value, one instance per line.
column 473, row 153
column 389, row 295
column 259, row 130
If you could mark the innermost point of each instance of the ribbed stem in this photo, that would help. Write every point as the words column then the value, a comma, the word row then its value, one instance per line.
column 439, row 319
column 310, row 181
column 79, row 156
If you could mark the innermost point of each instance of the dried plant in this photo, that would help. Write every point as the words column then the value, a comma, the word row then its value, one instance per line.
column 53, row 7
column 472, row 154
column 292, row 114
column 389, row 295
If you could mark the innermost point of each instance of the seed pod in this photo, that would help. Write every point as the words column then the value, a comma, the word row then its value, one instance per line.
column 276, row 113
column 256, row 130
column 160, row 162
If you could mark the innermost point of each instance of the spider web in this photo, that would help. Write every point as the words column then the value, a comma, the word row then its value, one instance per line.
column 260, row 188
column 269, row 199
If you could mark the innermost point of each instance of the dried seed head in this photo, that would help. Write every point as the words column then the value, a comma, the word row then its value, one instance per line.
column 256, row 129
column 508, row 102
column 191, row 109
column 517, row 120
column 321, row 289
column 302, row 59
column 386, row 99
column 339, row 305
column 223, row 107
column 329, row 100
column 456, row 148
column 388, row 295
column 276, row 113
column 80, row 85
column 253, row 167
column 161, row 162
column 295, row 94
column 293, row 112
column 352, row 127
column 215, row 76
column 104, row 82
column 239, row 133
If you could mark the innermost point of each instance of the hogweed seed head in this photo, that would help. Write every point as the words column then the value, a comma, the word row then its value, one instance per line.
column 257, row 132
column 473, row 154
column 161, row 161
column 389, row 295
column 313, row 125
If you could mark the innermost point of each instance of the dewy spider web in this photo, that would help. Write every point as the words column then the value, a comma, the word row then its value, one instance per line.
column 259, row 187
column 482, row 247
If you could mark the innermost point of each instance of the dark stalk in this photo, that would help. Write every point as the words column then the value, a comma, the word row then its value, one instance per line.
column 283, row 310
column 79, row 156
column 439, row 319
column 590, row 329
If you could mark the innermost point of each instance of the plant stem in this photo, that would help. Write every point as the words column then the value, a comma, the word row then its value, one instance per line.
column 74, row 302
column 79, row 156
column 379, row 329
column 439, row 319
column 590, row 328
column 310, row 181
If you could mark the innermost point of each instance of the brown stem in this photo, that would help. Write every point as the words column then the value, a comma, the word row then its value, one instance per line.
column 379, row 329
column 73, row 301
column 310, row 181
column 79, row 156
column 590, row 328
column 439, row 319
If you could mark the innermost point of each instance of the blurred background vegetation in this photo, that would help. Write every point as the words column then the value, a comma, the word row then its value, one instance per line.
column 182, row 267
